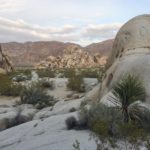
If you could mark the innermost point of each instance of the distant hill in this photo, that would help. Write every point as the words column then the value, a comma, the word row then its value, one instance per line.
column 104, row 48
column 30, row 53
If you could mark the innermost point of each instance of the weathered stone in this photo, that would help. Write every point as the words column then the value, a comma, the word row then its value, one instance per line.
column 73, row 57
column 11, row 116
column 130, row 55
column 5, row 64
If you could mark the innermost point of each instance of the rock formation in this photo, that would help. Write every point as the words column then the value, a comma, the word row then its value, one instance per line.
column 33, row 52
column 130, row 55
column 73, row 57
column 5, row 65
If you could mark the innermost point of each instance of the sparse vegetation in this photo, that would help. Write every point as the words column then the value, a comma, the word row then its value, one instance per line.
column 76, row 83
column 98, row 115
column 46, row 84
column 140, row 114
column 34, row 94
column 20, row 75
column 110, row 124
column 76, row 145
column 46, row 73
column 21, row 78
column 71, row 122
column 8, row 88
column 68, row 72
column 72, row 109
column 84, row 72
column 93, row 73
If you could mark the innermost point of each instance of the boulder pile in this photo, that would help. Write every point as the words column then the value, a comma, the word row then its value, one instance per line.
column 73, row 57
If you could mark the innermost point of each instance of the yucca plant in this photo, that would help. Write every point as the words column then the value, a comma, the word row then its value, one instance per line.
column 126, row 91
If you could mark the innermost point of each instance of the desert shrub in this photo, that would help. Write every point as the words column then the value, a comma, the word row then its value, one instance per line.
column 148, row 144
column 98, row 116
column 83, row 104
column 76, row 83
column 46, row 73
column 25, row 72
column 76, row 145
column 140, row 114
column 35, row 95
column 69, row 72
column 15, row 90
column 8, row 88
column 5, row 84
column 72, row 109
column 108, row 126
column 130, row 130
column 128, row 90
column 21, row 78
column 132, row 133
column 46, row 84
column 90, row 73
column 71, row 122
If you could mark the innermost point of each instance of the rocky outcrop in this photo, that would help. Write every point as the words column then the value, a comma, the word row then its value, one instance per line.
column 7, row 117
column 73, row 57
column 47, row 134
column 12, row 116
column 5, row 64
column 30, row 53
column 130, row 55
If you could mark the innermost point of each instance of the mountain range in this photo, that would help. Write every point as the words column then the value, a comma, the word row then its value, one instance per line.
column 28, row 54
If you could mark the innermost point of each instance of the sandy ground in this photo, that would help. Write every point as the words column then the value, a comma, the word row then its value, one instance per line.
column 61, row 90
column 5, row 100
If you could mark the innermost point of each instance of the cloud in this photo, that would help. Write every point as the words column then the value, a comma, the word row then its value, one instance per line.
column 34, row 32
column 102, row 30
column 21, row 31
column 11, row 5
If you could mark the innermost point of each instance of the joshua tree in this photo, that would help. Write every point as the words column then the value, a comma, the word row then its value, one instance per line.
column 128, row 90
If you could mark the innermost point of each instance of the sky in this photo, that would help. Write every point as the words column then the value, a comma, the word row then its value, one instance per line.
column 79, row 21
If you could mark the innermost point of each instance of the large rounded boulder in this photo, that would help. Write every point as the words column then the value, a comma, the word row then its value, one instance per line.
column 130, row 55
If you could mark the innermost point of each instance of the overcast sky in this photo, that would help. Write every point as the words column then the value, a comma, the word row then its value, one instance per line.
column 79, row 21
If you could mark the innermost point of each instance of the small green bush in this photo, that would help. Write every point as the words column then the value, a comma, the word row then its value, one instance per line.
column 5, row 84
column 76, row 83
column 15, row 73
column 34, row 94
column 71, row 122
column 108, row 125
column 72, row 109
column 140, row 114
column 90, row 73
column 46, row 84
column 15, row 90
column 68, row 72
column 21, row 78
column 8, row 88
column 98, row 115
column 46, row 73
